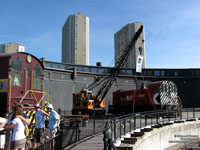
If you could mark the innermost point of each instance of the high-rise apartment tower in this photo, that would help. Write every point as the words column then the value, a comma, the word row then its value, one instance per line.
column 122, row 39
column 75, row 40
column 11, row 48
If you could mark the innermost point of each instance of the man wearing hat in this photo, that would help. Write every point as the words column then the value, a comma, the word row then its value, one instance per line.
column 54, row 122
column 39, row 124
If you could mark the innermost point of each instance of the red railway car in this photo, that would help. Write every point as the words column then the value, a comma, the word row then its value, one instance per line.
column 156, row 96
column 21, row 80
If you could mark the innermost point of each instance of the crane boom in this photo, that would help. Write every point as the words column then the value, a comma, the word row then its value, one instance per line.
column 85, row 102
column 113, row 72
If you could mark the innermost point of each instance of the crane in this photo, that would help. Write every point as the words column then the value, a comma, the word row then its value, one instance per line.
column 85, row 102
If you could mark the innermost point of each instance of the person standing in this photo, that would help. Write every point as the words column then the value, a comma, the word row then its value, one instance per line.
column 9, row 117
column 54, row 122
column 18, row 138
column 39, row 124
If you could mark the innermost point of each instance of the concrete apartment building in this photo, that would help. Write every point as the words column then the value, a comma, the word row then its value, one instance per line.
column 75, row 40
column 123, row 37
column 11, row 48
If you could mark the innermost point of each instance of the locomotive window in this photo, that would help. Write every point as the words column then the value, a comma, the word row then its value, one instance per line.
column 155, row 90
column 37, row 83
column 16, row 64
column 28, row 72
column 37, row 71
column 16, row 79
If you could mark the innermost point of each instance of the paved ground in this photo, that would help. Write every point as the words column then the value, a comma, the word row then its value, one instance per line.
column 92, row 143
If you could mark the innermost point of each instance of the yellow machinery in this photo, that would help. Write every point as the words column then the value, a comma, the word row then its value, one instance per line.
column 84, row 103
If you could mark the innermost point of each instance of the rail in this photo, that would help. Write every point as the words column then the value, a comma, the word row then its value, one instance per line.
column 73, row 130
column 80, row 129
column 118, row 127
column 54, row 143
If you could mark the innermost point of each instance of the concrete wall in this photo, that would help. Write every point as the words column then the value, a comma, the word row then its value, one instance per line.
column 158, row 139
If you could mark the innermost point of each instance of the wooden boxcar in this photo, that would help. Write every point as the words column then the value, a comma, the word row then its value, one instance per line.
column 21, row 80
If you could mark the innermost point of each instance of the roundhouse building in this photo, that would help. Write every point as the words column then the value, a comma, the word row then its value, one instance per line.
column 61, row 80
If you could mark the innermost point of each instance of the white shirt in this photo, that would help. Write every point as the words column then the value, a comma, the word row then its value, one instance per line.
column 18, row 129
column 2, row 122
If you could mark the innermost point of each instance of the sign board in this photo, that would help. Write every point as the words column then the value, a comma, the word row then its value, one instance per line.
column 139, row 64
column 3, row 85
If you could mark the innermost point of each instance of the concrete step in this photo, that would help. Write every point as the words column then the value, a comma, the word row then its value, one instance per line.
column 147, row 129
column 137, row 134
column 124, row 148
column 131, row 140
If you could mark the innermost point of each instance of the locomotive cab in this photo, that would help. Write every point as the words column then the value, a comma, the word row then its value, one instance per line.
column 19, row 73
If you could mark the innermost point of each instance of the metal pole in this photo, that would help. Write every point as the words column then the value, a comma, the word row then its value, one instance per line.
column 124, row 126
column 120, row 130
column 134, row 122
column 145, row 120
column 156, row 118
column 94, row 125
column 193, row 112
column 114, row 121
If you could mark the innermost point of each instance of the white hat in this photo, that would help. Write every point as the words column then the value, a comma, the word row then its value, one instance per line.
column 37, row 105
column 49, row 106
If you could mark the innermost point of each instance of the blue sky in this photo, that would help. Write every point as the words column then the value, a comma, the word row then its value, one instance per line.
column 172, row 28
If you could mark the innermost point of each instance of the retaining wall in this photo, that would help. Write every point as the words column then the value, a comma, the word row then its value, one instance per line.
column 164, row 137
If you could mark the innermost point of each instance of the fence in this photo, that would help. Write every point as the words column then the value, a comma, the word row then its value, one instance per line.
column 76, row 130
column 119, row 126
column 52, row 144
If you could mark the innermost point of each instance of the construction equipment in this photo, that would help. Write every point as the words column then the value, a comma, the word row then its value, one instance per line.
column 85, row 102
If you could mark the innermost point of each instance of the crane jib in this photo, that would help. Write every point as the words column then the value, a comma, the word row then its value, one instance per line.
column 113, row 72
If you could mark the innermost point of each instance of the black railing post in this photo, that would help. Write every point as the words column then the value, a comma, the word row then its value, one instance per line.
column 181, row 113
column 156, row 118
column 120, row 128
column 176, row 113
column 187, row 113
column 145, row 121
column 124, row 126
column 140, row 121
column 76, row 130
column 115, row 129
column 163, row 118
column 130, row 125
column 134, row 122
column 193, row 112
column 94, row 125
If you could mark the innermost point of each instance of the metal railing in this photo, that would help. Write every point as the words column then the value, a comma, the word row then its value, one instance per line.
column 74, row 130
column 120, row 126
column 54, row 143
column 78, row 129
